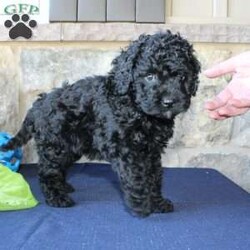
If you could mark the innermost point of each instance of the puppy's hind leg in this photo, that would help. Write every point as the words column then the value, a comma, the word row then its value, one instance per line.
column 53, row 185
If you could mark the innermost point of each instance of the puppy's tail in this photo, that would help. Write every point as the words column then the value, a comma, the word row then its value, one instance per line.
column 22, row 137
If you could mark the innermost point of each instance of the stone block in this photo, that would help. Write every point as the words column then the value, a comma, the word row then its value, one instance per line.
column 45, row 68
column 9, row 85
column 233, row 165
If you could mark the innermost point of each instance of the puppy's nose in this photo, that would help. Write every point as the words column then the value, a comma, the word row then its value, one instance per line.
column 166, row 102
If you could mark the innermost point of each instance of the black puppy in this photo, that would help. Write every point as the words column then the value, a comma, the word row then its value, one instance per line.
column 125, row 118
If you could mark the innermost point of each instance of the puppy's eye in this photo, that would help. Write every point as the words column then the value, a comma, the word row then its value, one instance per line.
column 151, row 77
column 183, row 78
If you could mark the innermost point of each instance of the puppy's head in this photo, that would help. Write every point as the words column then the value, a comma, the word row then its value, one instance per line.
column 161, row 73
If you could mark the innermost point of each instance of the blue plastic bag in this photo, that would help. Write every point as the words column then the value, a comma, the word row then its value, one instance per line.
column 10, row 159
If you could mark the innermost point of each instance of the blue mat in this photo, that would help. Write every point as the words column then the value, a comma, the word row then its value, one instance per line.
column 211, row 212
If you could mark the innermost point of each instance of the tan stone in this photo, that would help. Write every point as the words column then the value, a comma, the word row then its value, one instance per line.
column 28, row 69
column 9, row 89
column 234, row 166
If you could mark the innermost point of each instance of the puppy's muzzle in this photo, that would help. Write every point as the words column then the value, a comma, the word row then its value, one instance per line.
column 167, row 103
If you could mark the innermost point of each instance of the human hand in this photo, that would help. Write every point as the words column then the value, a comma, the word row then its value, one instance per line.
column 235, row 98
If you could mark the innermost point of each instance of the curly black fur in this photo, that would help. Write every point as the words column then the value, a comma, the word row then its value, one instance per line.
column 125, row 118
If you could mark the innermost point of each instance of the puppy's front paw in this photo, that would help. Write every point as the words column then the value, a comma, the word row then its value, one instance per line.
column 60, row 201
column 68, row 188
column 139, row 208
column 163, row 206
column 142, row 213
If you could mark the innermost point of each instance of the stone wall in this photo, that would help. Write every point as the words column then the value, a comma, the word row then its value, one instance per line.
column 27, row 69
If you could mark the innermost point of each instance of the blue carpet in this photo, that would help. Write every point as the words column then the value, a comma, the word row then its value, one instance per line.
column 211, row 212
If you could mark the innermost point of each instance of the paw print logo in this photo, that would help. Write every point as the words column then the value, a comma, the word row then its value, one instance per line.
column 20, row 26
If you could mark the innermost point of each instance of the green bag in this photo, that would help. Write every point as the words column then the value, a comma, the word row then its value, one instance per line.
column 15, row 193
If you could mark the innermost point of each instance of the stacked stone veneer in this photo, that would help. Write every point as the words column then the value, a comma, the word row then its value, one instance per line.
column 27, row 69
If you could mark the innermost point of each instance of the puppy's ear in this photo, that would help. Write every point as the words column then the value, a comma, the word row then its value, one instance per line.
column 124, row 64
column 195, row 69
